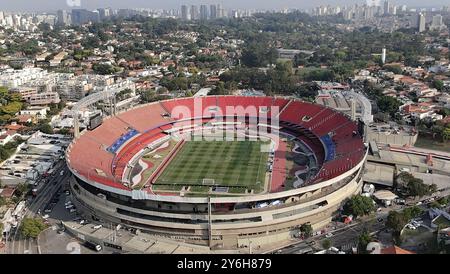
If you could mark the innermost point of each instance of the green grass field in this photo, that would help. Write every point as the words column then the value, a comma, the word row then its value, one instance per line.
column 239, row 165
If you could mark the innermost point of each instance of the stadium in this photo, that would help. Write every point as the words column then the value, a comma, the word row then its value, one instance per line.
column 220, row 171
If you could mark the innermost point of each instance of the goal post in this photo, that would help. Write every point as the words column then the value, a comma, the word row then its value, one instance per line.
column 208, row 182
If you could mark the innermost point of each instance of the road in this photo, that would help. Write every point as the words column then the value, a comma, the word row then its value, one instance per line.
column 346, row 236
column 20, row 245
column 343, row 238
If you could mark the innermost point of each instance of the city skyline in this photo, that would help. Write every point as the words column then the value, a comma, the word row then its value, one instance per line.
column 51, row 5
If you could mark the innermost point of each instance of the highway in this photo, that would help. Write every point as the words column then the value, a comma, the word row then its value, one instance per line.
column 20, row 245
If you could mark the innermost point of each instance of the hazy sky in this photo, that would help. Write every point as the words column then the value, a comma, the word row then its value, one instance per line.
column 49, row 5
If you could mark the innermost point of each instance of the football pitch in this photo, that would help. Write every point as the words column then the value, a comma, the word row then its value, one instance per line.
column 239, row 165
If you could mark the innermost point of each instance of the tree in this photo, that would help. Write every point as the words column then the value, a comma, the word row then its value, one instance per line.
column 359, row 205
column 64, row 131
column 412, row 212
column 326, row 244
column 393, row 68
column 416, row 187
column 2, row 201
column 219, row 89
column 396, row 221
column 31, row 228
column 104, row 69
column 363, row 240
column 21, row 189
column 45, row 128
column 306, row 230
column 388, row 104
column 438, row 84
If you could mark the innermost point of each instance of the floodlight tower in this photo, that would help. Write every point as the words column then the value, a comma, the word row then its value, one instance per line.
column 383, row 56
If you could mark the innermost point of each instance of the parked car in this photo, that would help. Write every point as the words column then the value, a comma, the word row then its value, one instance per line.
column 93, row 246
column 329, row 235
column 72, row 210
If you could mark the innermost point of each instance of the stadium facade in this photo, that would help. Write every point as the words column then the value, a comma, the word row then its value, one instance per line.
column 102, row 162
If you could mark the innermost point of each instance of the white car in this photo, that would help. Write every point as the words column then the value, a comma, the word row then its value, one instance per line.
column 69, row 206
column 329, row 235
column 68, row 203
column 46, row 216
column 72, row 210
column 97, row 226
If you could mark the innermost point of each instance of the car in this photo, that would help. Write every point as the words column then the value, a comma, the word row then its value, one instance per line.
column 93, row 246
column 46, row 216
column 329, row 235
column 82, row 222
column 67, row 192
column 68, row 203
column 48, row 210
column 97, row 226
column 419, row 203
column 72, row 210
column 69, row 206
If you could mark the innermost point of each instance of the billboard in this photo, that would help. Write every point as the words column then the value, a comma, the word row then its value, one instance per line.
column 95, row 121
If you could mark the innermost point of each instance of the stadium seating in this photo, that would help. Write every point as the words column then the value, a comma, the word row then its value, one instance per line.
column 330, row 147
column 90, row 156
column 106, row 151
column 122, row 140
column 145, row 117
column 124, row 156
column 110, row 131
column 319, row 118
column 328, row 125
column 296, row 111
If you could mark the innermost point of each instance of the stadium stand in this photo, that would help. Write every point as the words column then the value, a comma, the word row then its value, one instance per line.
column 107, row 135
column 106, row 151
column 297, row 111
column 140, row 117
column 90, row 157
column 122, row 140
column 330, row 149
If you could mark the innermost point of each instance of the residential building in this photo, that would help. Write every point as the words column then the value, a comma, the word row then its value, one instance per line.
column 44, row 98
column 203, row 12
column 194, row 12
column 184, row 12
column 421, row 22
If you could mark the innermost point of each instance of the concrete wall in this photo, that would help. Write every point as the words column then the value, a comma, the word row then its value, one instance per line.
column 228, row 235
column 393, row 139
